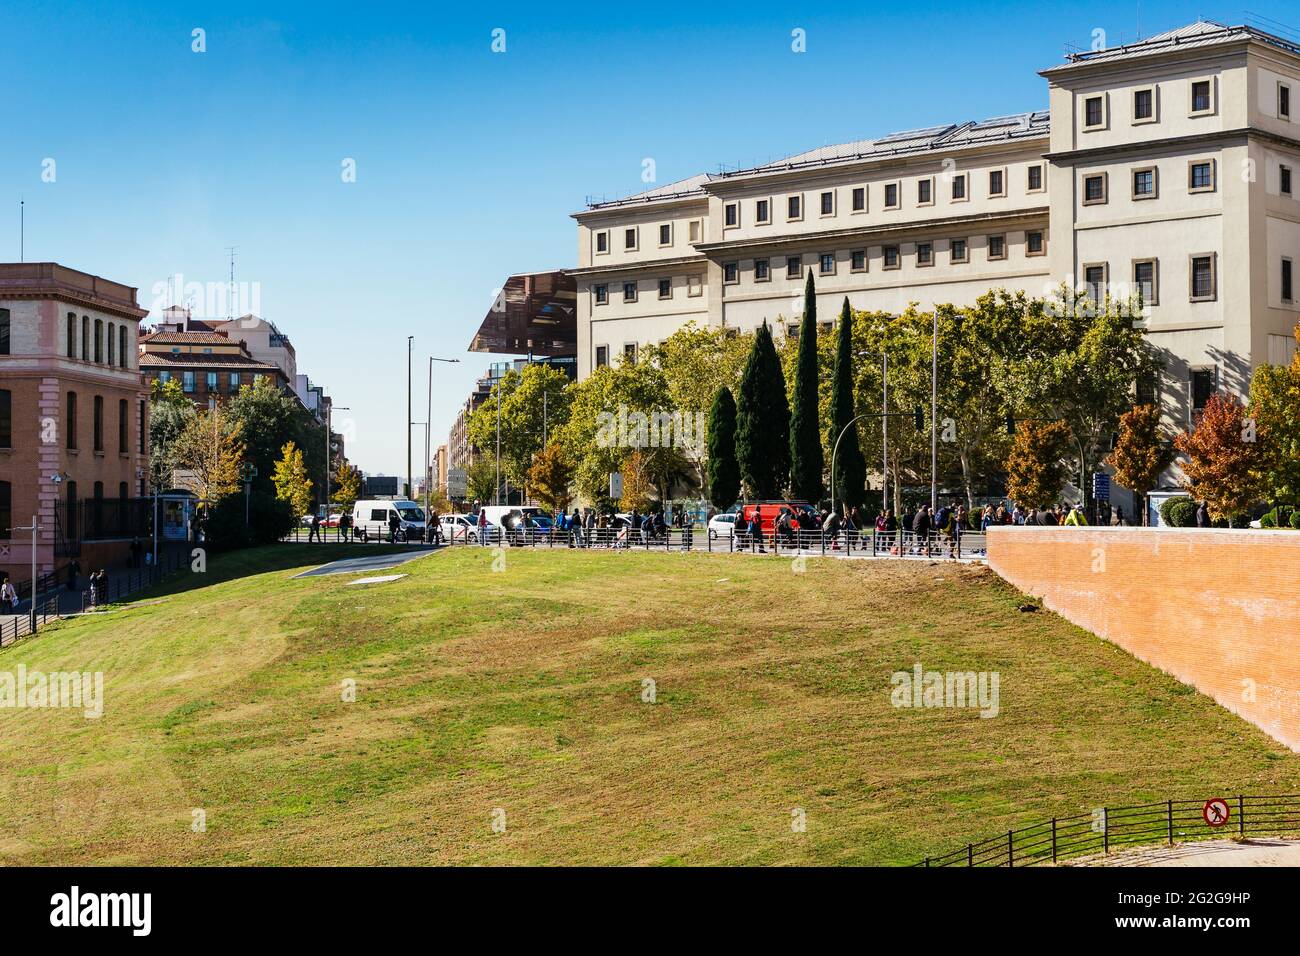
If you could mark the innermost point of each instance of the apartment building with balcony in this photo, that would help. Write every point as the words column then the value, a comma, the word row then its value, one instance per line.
column 1164, row 166
column 209, row 366
column 73, row 416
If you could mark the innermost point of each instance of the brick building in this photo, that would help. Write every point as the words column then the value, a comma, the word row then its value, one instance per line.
column 209, row 365
column 73, row 417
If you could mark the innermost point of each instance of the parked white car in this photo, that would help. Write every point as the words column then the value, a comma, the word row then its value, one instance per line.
column 462, row 528
column 722, row 526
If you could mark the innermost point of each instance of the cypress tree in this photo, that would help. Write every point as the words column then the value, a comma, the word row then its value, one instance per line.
column 806, row 461
column 850, row 469
column 724, row 472
column 763, row 421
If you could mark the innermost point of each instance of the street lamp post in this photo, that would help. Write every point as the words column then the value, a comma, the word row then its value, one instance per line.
column 934, row 411
column 329, row 451
column 498, row 479
column 428, row 466
column 409, row 340
column 36, row 526
column 884, row 431
column 836, row 448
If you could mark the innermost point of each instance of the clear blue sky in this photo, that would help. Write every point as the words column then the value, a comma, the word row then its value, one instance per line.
column 468, row 162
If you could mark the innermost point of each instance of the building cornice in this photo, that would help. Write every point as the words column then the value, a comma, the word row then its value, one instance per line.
column 1227, row 137
column 618, row 209
column 651, row 265
column 49, row 280
column 902, row 229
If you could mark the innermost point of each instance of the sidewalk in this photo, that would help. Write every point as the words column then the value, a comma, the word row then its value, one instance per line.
column 122, row 580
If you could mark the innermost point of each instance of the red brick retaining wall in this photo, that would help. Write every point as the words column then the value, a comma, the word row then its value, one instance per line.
column 1219, row 610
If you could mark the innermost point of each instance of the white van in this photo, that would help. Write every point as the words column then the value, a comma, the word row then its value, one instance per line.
column 496, row 513
column 370, row 518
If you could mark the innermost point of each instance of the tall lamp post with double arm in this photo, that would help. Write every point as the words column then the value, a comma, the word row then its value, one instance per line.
column 428, row 466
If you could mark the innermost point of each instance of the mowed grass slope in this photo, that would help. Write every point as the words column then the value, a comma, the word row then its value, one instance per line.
column 521, row 690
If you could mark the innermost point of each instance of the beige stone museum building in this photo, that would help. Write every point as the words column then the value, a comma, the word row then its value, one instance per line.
column 1167, row 166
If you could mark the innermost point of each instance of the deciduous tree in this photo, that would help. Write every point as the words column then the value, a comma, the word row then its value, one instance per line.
column 347, row 486
column 551, row 477
column 290, row 479
column 1142, row 453
column 211, row 449
column 1275, row 408
column 534, row 405
column 1225, row 465
column 1035, row 472
column 170, row 411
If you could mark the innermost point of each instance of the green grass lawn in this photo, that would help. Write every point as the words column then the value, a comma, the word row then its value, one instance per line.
column 521, row 689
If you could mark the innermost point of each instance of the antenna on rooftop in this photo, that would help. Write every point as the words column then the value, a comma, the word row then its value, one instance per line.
column 230, row 299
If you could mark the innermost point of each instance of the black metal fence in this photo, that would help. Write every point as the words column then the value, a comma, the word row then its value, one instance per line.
column 127, row 581
column 54, row 598
column 1109, row 828
column 103, row 519
column 966, row 545
column 20, row 624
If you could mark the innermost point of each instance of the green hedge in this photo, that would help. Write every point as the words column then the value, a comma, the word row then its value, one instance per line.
column 1178, row 512
column 1281, row 516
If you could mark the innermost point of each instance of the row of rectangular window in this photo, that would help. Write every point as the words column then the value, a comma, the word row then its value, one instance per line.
column 1146, row 101
column 70, row 423
column 92, row 350
column 1145, row 105
column 602, row 354
column 827, row 204
column 189, row 380
column 893, row 191
column 632, row 236
column 1201, row 270
column 891, row 257
column 631, row 289
column 1144, row 182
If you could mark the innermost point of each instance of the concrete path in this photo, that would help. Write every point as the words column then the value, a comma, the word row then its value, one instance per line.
column 369, row 562
column 1257, row 851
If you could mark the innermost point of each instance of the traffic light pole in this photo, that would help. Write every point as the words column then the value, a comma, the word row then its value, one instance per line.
column 915, row 416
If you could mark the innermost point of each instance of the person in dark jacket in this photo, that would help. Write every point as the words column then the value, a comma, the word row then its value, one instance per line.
column 921, row 527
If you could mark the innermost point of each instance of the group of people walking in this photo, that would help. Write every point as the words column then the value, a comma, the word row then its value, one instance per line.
column 96, row 583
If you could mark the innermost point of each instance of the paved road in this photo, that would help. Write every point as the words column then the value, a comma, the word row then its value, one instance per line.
column 369, row 562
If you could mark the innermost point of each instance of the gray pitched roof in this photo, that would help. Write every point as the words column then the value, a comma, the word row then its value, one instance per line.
column 930, row 139
column 1202, row 33
column 927, row 140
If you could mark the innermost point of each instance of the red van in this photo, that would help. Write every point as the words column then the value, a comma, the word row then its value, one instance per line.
column 769, row 511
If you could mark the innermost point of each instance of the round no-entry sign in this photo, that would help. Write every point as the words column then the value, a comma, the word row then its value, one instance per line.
column 1216, row 812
